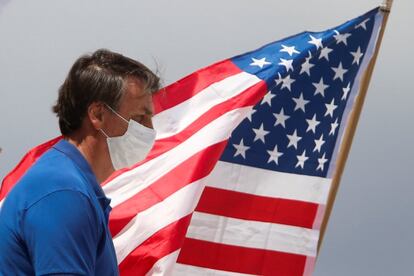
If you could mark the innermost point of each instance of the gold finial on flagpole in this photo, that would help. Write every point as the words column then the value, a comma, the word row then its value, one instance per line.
column 386, row 5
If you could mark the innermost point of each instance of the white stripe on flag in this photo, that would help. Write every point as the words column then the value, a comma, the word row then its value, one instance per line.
column 158, row 216
column 189, row 270
column 164, row 265
column 253, row 234
column 235, row 177
column 131, row 182
column 177, row 118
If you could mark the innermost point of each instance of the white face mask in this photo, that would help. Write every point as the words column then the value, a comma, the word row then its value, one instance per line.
column 132, row 147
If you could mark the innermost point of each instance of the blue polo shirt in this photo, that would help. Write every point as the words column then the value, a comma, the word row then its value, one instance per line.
column 55, row 220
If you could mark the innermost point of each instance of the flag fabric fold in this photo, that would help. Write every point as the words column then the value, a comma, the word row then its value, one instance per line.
column 234, row 186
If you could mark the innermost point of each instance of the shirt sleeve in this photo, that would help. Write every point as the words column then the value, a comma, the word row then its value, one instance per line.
column 61, row 232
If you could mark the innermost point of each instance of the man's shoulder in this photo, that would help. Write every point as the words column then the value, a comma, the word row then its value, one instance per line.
column 53, row 172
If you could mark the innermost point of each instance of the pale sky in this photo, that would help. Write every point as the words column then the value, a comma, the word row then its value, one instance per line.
column 370, row 230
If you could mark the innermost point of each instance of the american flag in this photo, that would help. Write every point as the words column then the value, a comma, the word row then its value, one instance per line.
column 264, row 202
column 240, row 173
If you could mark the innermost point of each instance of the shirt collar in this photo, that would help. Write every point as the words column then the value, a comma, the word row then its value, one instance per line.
column 74, row 154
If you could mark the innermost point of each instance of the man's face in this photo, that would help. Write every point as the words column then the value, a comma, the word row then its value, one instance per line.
column 135, row 104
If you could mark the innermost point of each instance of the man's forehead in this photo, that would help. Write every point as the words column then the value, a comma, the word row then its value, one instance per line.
column 135, row 87
column 135, row 98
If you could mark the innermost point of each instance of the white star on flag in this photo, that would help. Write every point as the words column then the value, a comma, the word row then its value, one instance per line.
column 345, row 91
column 357, row 56
column 312, row 123
column 334, row 125
column 279, row 79
column 316, row 41
column 321, row 162
column 287, row 63
column 289, row 49
column 320, row 87
column 240, row 149
column 287, row 82
column 260, row 133
column 363, row 24
column 341, row 38
column 339, row 72
column 330, row 108
column 281, row 118
column 274, row 155
column 293, row 140
column 300, row 103
column 267, row 99
column 306, row 66
column 318, row 143
column 325, row 53
column 301, row 159
column 260, row 62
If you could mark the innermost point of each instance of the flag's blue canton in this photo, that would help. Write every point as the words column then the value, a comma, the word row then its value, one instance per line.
column 309, row 78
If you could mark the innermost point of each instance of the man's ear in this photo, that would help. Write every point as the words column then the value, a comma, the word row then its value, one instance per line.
column 95, row 114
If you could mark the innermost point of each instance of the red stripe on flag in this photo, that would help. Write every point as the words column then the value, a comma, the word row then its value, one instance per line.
column 25, row 163
column 199, row 164
column 249, row 97
column 258, row 208
column 162, row 243
column 191, row 85
column 240, row 259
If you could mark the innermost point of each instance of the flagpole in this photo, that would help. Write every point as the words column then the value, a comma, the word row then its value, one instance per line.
column 353, row 122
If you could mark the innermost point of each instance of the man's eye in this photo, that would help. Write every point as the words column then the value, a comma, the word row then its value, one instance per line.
column 138, row 118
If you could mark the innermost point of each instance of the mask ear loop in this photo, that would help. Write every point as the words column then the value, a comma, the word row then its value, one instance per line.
column 103, row 132
column 116, row 113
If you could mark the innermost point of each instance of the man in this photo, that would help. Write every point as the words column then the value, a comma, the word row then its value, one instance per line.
column 55, row 220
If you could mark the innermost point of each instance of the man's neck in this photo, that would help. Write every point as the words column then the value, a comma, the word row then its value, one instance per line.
column 94, row 151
